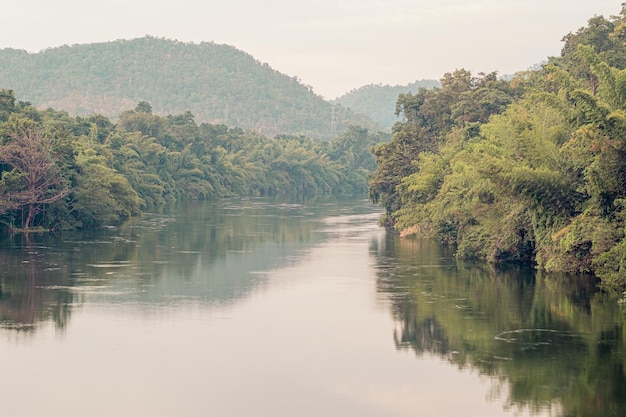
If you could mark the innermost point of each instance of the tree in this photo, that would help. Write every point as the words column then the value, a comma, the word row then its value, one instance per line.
column 101, row 196
column 428, row 118
column 34, row 179
column 7, row 104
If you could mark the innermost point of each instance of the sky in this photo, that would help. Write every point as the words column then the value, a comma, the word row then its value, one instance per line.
column 334, row 46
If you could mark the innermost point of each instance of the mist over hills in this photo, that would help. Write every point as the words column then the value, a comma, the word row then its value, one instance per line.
column 217, row 83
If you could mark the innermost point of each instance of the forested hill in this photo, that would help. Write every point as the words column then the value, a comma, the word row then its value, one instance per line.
column 378, row 102
column 218, row 84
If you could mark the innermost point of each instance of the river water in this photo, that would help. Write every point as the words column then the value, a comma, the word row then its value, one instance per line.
column 257, row 307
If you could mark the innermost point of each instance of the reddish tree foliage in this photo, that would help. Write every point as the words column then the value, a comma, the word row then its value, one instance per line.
column 35, row 179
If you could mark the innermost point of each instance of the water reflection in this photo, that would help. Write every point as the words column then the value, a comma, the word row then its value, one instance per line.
column 27, row 268
column 554, row 341
column 159, row 316
column 197, row 252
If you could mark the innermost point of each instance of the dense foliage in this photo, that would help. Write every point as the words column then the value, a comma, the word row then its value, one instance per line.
column 529, row 170
column 378, row 101
column 219, row 84
column 63, row 172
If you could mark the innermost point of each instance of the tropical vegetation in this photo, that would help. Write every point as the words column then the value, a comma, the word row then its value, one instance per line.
column 529, row 170
column 63, row 172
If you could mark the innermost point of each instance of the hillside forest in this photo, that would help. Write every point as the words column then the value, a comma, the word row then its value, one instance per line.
column 219, row 84
column 531, row 170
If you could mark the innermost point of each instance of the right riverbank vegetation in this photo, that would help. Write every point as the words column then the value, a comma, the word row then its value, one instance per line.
column 529, row 170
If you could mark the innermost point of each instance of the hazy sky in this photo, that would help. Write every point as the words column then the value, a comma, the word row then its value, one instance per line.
column 332, row 45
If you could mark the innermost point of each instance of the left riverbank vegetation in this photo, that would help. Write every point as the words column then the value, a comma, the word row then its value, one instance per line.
column 61, row 172
column 530, row 169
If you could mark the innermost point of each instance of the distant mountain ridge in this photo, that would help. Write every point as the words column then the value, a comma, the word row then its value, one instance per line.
column 216, row 83
column 378, row 102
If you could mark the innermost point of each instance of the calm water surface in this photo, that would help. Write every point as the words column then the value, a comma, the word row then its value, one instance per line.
column 263, row 308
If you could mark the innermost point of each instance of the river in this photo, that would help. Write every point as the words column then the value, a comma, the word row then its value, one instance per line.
column 259, row 307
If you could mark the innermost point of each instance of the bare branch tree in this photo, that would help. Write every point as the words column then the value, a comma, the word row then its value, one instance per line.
column 35, row 179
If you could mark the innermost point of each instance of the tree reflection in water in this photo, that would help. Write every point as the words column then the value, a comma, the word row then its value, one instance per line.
column 202, row 251
column 28, row 270
column 554, row 341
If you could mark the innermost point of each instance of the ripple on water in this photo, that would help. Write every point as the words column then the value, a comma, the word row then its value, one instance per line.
column 119, row 264
column 536, row 338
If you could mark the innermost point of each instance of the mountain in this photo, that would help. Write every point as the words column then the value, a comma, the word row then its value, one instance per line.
column 217, row 83
column 379, row 101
